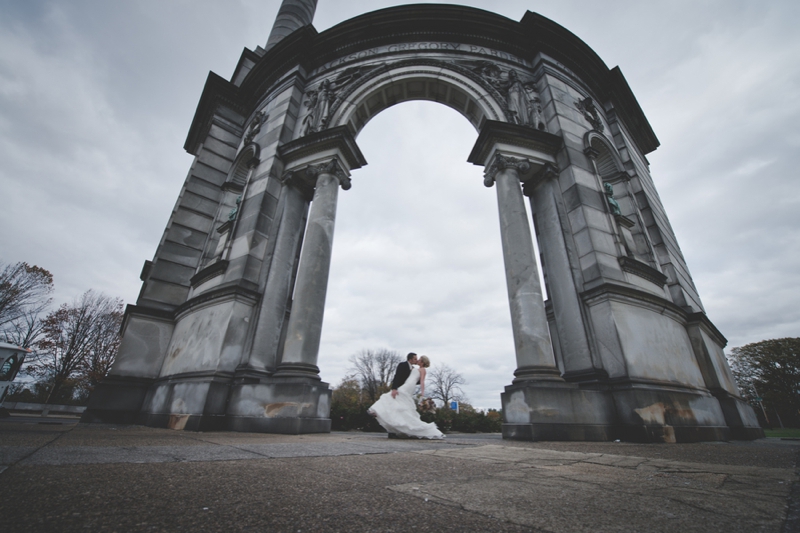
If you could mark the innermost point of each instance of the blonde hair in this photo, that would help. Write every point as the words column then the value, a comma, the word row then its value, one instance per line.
column 424, row 362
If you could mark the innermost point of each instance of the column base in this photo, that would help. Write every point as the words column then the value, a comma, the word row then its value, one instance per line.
column 298, row 370
column 537, row 373
column 551, row 410
column 290, row 405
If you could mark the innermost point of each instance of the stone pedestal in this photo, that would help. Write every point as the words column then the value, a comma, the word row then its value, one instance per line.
column 291, row 405
column 536, row 410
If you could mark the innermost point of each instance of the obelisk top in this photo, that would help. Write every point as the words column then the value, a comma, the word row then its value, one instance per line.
column 293, row 15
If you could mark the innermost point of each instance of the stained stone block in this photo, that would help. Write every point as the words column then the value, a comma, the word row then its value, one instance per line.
column 543, row 411
column 287, row 405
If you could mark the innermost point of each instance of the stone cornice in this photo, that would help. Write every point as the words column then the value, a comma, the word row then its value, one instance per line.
column 702, row 320
column 211, row 271
column 338, row 139
column 223, row 292
column 216, row 91
column 640, row 269
column 494, row 132
column 640, row 297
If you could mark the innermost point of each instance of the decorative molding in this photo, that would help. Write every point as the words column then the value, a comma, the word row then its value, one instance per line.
column 255, row 126
column 211, row 271
column 331, row 167
column 494, row 132
column 501, row 162
column 227, row 290
column 699, row 318
column 643, row 271
column 622, row 220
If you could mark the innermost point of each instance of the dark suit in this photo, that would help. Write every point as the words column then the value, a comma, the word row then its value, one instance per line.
column 401, row 374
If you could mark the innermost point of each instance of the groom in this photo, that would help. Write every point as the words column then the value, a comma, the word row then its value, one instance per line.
column 402, row 372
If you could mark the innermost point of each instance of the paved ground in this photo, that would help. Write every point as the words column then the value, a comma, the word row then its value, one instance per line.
column 63, row 476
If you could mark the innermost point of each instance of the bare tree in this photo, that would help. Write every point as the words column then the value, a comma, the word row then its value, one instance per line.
column 24, row 291
column 444, row 384
column 75, row 334
column 375, row 370
column 103, row 349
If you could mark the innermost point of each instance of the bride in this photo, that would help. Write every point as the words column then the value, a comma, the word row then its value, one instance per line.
column 399, row 414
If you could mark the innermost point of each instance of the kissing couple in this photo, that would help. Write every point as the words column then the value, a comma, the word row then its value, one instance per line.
column 396, row 410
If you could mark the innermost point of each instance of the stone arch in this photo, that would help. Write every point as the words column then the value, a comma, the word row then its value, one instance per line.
column 246, row 160
column 607, row 160
column 238, row 337
column 436, row 81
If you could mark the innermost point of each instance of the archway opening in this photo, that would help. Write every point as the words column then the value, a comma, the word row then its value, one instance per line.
column 417, row 260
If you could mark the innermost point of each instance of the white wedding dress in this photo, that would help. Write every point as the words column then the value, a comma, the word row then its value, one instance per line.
column 399, row 415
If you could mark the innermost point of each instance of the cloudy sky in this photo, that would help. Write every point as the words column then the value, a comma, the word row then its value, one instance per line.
column 96, row 99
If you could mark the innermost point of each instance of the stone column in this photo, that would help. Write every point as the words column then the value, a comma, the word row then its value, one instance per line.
column 542, row 193
column 305, row 323
column 278, row 289
column 534, row 350
column 292, row 15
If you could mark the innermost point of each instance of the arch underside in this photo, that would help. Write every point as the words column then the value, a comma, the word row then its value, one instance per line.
column 382, row 85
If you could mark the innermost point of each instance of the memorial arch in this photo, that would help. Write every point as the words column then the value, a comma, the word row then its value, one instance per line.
column 225, row 333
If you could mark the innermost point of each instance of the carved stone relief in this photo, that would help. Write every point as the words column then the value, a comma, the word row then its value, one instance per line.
column 589, row 110
column 501, row 162
column 255, row 127
column 523, row 105
column 322, row 101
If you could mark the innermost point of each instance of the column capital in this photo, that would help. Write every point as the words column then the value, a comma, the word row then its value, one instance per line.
column 545, row 173
column 331, row 167
column 501, row 162
column 501, row 141
column 321, row 147
column 333, row 151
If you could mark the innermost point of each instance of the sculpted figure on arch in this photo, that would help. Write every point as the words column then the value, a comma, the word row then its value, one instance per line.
column 523, row 102
column 319, row 107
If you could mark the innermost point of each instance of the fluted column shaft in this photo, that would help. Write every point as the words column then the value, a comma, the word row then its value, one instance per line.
column 534, row 351
column 304, row 330
column 292, row 15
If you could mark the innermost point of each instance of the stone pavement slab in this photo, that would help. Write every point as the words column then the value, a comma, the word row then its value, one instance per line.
column 131, row 478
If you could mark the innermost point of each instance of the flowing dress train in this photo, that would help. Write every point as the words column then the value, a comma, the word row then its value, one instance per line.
column 399, row 415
